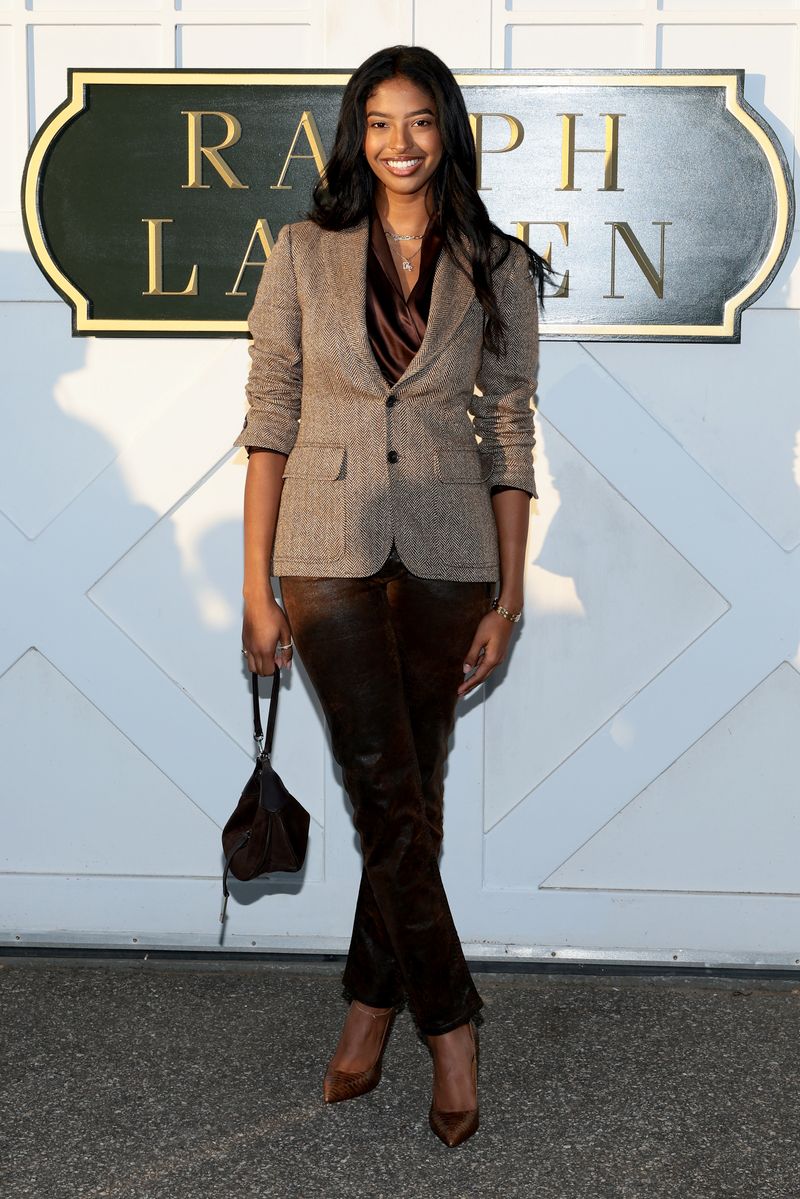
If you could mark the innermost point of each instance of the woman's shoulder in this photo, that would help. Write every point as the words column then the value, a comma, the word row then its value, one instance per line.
column 306, row 231
column 307, row 240
column 298, row 231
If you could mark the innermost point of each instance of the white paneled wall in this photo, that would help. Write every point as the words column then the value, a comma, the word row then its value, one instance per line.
column 53, row 48
column 626, row 786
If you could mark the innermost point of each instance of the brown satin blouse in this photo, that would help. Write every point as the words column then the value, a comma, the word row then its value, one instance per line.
column 396, row 325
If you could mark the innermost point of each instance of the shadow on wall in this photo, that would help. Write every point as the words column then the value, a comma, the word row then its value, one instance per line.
column 120, row 662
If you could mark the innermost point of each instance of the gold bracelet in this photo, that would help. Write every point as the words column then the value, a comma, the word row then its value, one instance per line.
column 513, row 616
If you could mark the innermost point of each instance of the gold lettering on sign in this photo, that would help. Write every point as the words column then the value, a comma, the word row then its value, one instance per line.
column 155, row 261
column 522, row 228
column 308, row 126
column 515, row 135
column 263, row 234
column 197, row 151
column 653, row 277
column 610, row 152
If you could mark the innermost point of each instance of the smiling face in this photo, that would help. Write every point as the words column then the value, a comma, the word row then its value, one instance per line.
column 402, row 141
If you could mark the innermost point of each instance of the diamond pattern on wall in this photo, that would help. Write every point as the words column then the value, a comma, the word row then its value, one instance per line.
column 91, row 803
column 734, row 408
column 722, row 818
column 608, row 604
column 179, row 588
column 75, row 404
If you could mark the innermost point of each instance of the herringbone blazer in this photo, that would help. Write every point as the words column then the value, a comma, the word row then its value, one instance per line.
column 369, row 460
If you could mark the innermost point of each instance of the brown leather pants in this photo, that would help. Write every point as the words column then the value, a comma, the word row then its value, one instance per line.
column 385, row 655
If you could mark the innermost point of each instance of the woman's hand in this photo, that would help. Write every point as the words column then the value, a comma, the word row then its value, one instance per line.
column 488, row 649
column 264, row 628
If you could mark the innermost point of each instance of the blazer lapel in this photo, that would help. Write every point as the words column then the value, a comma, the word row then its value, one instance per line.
column 344, row 259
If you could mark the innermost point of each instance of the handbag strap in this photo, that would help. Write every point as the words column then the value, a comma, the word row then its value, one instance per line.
column 273, row 710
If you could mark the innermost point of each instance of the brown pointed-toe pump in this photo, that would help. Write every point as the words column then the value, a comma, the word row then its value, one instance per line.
column 455, row 1127
column 339, row 1085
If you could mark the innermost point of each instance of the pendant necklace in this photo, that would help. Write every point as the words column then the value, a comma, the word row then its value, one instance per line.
column 407, row 266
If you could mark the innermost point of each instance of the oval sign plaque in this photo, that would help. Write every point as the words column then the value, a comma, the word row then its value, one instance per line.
column 662, row 199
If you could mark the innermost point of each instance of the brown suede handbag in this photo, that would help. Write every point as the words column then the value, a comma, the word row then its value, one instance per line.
column 268, row 829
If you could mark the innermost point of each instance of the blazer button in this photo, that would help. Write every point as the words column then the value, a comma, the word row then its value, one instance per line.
column 392, row 456
column 389, row 401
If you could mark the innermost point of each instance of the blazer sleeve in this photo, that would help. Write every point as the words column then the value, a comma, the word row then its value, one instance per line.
column 504, row 412
column 275, row 380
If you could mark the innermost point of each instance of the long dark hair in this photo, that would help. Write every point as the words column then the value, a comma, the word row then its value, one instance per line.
column 343, row 194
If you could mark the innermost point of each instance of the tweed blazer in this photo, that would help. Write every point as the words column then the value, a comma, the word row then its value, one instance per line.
column 368, row 460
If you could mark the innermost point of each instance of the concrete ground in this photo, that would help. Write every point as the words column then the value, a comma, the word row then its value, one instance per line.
column 142, row 1080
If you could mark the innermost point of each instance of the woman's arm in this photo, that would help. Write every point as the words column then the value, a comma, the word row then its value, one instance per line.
column 264, row 625
column 274, row 389
column 504, row 411
column 493, row 635
column 275, row 381
column 511, row 513
column 262, row 497
column 503, row 419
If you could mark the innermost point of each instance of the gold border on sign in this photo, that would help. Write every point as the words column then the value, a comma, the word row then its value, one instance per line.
column 84, row 323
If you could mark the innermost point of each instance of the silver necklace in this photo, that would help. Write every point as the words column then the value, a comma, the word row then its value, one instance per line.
column 403, row 236
column 407, row 265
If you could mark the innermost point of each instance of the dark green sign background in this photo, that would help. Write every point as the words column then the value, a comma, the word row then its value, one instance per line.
column 687, row 229
column 128, row 159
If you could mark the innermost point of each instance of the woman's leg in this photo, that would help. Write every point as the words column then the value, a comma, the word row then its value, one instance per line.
column 363, row 642
column 434, row 622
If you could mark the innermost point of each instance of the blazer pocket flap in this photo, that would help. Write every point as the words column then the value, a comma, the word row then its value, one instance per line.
column 315, row 461
column 462, row 466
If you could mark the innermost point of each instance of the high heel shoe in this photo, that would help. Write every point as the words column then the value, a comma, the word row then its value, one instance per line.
column 455, row 1127
column 338, row 1085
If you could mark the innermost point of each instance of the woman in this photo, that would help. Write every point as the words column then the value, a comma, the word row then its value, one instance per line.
column 395, row 288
